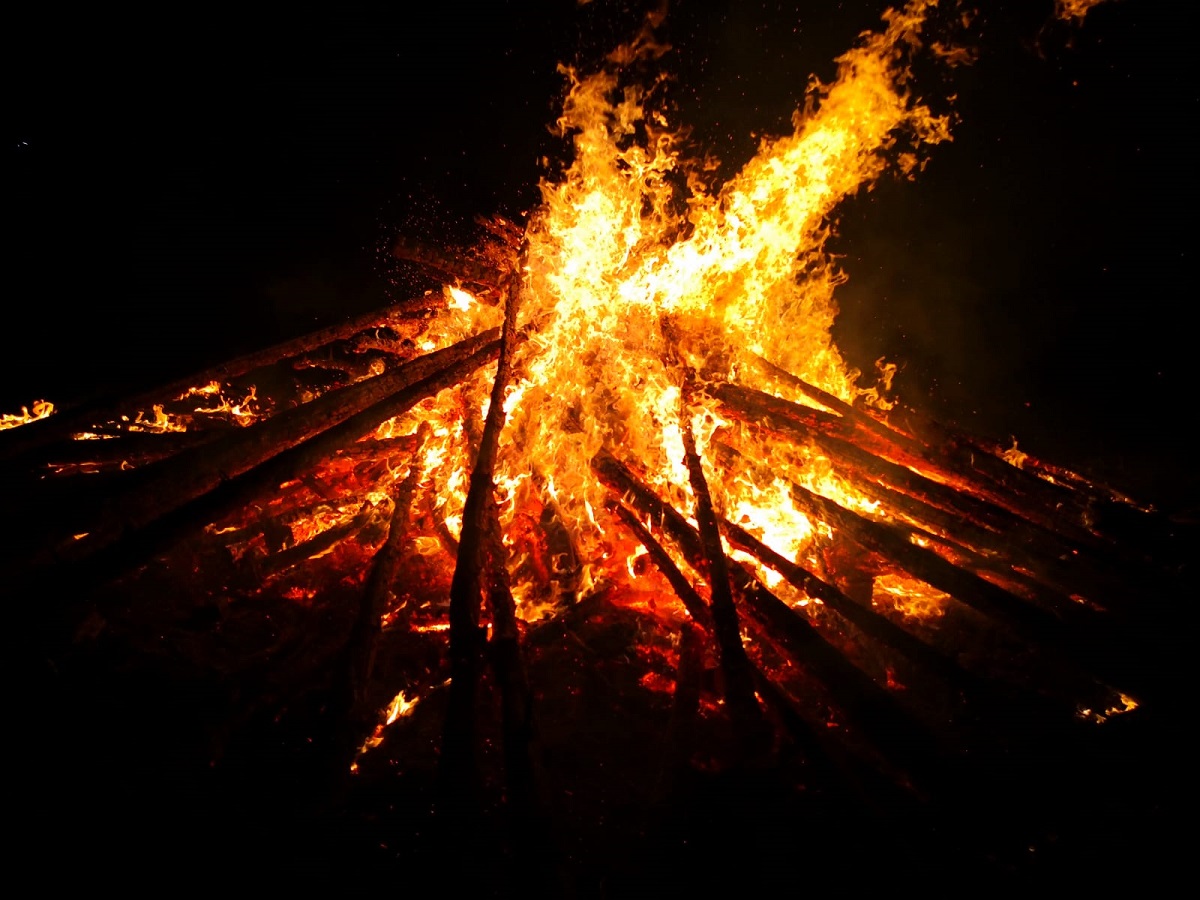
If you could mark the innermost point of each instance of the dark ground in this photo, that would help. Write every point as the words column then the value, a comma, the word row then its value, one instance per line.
column 225, row 183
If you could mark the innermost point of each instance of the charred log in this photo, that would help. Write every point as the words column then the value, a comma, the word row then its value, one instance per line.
column 458, row 772
column 739, row 683
column 17, row 442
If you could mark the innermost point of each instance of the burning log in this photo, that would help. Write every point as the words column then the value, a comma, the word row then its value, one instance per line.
column 158, row 535
column 359, row 660
column 20, row 442
column 451, row 266
column 1089, row 646
column 739, row 684
column 873, row 711
column 166, row 487
column 458, row 772
column 828, row 433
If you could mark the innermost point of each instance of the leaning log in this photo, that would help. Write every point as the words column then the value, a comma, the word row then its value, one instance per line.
column 168, row 485
column 735, row 667
column 873, row 711
column 827, row 433
column 160, row 535
column 19, row 441
column 358, row 662
column 458, row 773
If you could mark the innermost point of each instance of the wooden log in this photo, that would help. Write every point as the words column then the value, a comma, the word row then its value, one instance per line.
column 692, row 601
column 955, row 454
column 687, row 690
column 18, row 441
column 67, row 577
column 358, row 662
column 866, row 620
column 315, row 545
column 458, row 774
column 516, row 699
column 169, row 485
column 953, row 481
column 735, row 667
column 446, row 265
column 1093, row 645
column 873, row 711
column 982, row 548
column 768, row 414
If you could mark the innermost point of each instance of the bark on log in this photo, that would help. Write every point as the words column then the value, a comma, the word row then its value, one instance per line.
column 455, row 267
column 771, row 414
column 692, row 601
column 19, row 441
column 981, row 498
column 68, row 577
column 167, row 486
column 359, row 660
column 865, row 619
column 873, row 711
column 735, row 667
column 458, row 773
column 958, row 455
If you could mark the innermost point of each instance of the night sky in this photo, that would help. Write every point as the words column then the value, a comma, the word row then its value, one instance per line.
column 189, row 189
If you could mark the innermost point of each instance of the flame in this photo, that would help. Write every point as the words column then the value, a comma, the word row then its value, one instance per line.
column 1074, row 10
column 636, row 271
column 400, row 706
column 909, row 597
column 1014, row 456
column 41, row 409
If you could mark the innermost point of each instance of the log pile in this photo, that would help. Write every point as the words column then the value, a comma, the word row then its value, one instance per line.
column 292, row 574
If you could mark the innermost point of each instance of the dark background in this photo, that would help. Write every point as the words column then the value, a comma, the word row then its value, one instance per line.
column 188, row 187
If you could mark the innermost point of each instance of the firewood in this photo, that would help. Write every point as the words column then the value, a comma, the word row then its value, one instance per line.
column 18, row 441
column 823, row 430
column 358, row 663
column 159, row 535
column 874, row 712
column 735, row 667
column 955, row 454
column 458, row 774
column 455, row 266
column 168, row 485
column 691, row 600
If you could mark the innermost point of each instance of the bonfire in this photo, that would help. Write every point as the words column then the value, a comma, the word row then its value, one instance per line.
column 612, row 482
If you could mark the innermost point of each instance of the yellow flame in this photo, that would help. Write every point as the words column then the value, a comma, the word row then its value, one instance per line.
column 41, row 409
column 636, row 271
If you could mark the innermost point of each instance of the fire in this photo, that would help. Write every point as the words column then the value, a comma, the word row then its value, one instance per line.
column 400, row 707
column 636, row 272
column 1074, row 10
column 41, row 409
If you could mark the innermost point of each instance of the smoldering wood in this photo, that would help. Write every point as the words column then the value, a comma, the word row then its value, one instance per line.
column 358, row 664
column 159, row 536
column 980, row 547
column 458, row 774
column 18, row 441
column 516, row 699
column 961, row 456
column 739, row 684
column 1091, row 645
column 172, row 483
column 448, row 264
column 796, row 423
column 314, row 546
column 874, row 712
column 683, row 588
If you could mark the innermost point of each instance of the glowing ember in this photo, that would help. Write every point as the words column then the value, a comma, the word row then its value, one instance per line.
column 400, row 706
column 1074, row 10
